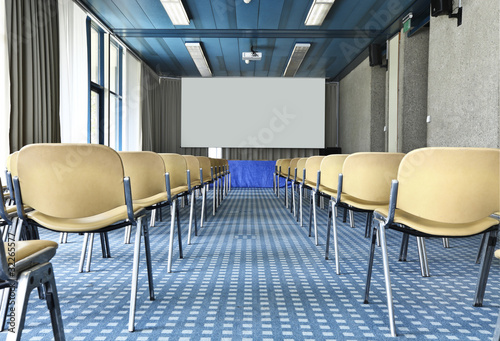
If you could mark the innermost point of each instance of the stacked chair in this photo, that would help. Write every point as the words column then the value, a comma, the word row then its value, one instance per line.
column 441, row 192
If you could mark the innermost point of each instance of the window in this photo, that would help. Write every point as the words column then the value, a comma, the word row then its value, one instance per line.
column 215, row 153
column 115, row 95
column 95, row 40
column 105, row 57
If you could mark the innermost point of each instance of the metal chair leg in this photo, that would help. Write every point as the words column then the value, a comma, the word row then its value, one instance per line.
column 404, row 247
column 135, row 276
column 351, row 218
column 331, row 209
column 179, row 237
column 368, row 226
column 487, row 256
column 314, row 195
column 422, row 256
column 84, row 251
column 446, row 243
column 370, row 264
column 387, row 276
column 89, row 256
column 171, row 237
column 496, row 334
column 190, row 219
column 336, row 246
column 480, row 250
column 203, row 200
column 301, row 194
column 147, row 250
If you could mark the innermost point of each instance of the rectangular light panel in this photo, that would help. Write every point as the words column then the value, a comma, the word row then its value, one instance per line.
column 318, row 11
column 296, row 58
column 176, row 12
column 199, row 59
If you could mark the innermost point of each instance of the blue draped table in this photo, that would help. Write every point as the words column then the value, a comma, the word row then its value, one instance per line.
column 252, row 174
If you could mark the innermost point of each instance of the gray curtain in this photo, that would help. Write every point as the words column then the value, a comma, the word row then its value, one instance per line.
column 33, row 39
column 266, row 153
column 161, row 115
column 331, row 114
column 151, row 110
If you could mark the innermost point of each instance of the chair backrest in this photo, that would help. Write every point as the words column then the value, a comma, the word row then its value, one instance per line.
column 285, row 163
column 293, row 165
column 331, row 167
column 450, row 185
column 146, row 171
column 205, row 165
column 70, row 180
column 301, row 164
column 313, row 164
column 12, row 163
column 194, row 169
column 176, row 167
column 368, row 176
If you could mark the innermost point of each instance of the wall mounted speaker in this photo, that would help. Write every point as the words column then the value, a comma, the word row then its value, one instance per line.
column 375, row 52
column 441, row 7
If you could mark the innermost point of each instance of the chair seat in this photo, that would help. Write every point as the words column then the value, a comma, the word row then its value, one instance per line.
column 497, row 254
column 84, row 224
column 437, row 228
column 328, row 191
column 178, row 190
column 360, row 203
column 310, row 184
column 149, row 201
column 32, row 252
column 195, row 183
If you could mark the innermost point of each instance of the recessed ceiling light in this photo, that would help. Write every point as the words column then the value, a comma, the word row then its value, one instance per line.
column 199, row 59
column 318, row 11
column 176, row 12
column 296, row 58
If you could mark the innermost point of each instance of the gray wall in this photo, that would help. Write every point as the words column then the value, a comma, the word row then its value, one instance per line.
column 463, row 92
column 362, row 109
column 412, row 101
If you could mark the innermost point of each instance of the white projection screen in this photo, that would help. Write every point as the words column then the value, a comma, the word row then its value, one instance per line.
column 253, row 112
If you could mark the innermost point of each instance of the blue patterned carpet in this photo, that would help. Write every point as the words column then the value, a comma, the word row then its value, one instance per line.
column 254, row 274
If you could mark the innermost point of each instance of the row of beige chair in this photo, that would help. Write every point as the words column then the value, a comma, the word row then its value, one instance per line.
column 185, row 174
column 361, row 182
column 83, row 188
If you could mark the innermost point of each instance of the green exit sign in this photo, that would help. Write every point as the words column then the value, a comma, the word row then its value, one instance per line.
column 407, row 25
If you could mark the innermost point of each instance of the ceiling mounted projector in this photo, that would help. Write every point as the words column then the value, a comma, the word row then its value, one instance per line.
column 253, row 55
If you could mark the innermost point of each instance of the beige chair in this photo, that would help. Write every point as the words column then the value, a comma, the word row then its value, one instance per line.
column 177, row 187
column 207, row 177
column 363, row 186
column 32, row 268
column 442, row 192
column 80, row 188
column 330, row 168
column 311, row 182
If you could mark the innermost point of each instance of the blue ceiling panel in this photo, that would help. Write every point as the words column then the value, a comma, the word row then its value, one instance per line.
column 226, row 28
